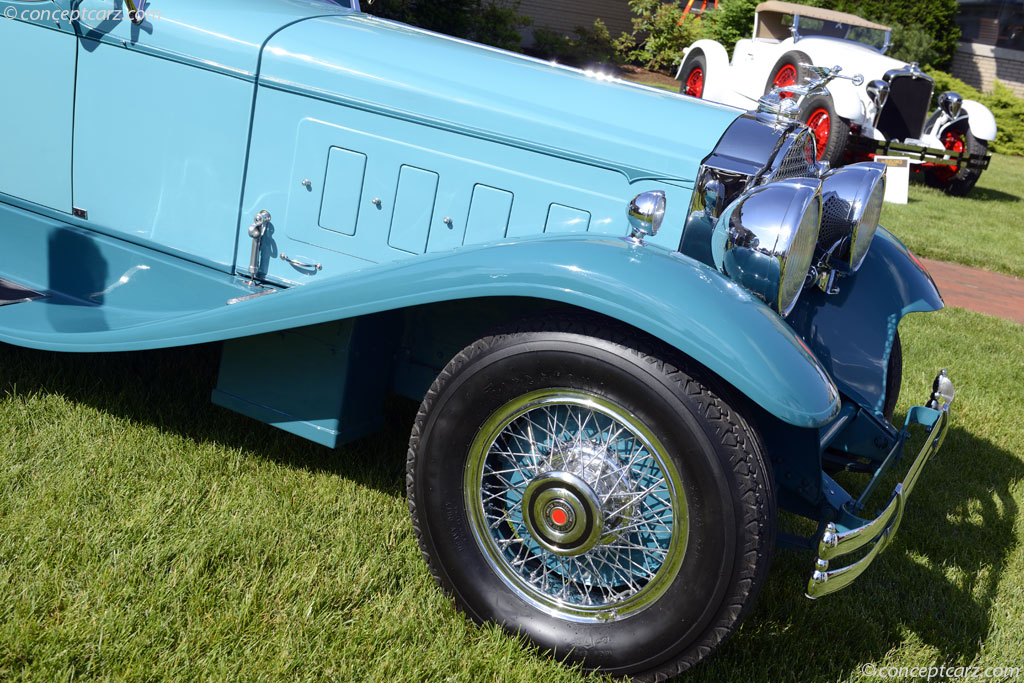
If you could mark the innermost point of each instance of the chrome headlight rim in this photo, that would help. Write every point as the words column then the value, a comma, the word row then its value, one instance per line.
column 852, row 208
column 765, row 240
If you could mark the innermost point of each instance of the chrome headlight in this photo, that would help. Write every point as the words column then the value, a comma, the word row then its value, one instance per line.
column 765, row 240
column 878, row 91
column 852, row 206
column 951, row 103
column 646, row 213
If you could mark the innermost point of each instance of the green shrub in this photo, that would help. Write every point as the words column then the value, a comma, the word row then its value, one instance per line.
column 498, row 25
column 660, row 34
column 732, row 21
column 585, row 47
column 1006, row 106
column 912, row 44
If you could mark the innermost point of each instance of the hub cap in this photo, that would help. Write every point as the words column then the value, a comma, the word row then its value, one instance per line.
column 576, row 505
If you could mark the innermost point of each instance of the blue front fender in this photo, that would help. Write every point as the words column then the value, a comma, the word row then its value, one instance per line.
column 684, row 303
column 852, row 332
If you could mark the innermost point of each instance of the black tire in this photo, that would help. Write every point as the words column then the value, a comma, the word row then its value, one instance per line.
column 706, row 447
column 837, row 134
column 694, row 61
column 893, row 378
column 964, row 180
column 792, row 59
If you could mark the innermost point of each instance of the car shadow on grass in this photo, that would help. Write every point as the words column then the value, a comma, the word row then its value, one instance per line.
column 988, row 194
column 170, row 389
column 934, row 586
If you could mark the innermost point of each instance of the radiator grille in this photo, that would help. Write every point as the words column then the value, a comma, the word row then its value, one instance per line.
column 799, row 159
column 904, row 113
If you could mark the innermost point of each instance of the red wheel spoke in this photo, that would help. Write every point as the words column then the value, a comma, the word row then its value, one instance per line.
column 953, row 141
column 695, row 83
column 820, row 123
column 785, row 76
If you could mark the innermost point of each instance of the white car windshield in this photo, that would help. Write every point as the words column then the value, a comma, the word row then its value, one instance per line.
column 872, row 37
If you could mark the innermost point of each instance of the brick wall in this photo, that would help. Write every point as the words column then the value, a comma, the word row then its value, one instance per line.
column 979, row 65
column 565, row 15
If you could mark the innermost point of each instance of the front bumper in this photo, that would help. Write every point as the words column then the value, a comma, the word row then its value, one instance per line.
column 862, row 146
column 877, row 534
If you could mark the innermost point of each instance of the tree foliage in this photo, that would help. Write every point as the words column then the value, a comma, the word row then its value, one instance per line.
column 660, row 33
column 584, row 47
column 732, row 21
column 485, row 21
column 925, row 31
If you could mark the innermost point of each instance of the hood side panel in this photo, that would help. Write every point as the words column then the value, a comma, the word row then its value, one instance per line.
column 401, row 71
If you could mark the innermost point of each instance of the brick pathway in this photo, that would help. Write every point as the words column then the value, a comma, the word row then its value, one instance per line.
column 979, row 290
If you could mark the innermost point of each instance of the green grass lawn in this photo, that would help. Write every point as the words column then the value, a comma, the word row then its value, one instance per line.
column 984, row 229
column 145, row 534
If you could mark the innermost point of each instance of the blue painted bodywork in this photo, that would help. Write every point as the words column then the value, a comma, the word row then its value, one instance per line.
column 37, row 130
column 852, row 332
column 408, row 172
column 748, row 345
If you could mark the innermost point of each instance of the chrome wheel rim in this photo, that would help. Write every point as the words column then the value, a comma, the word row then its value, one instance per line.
column 576, row 505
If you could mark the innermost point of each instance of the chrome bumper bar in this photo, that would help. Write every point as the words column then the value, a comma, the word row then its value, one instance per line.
column 922, row 154
column 833, row 543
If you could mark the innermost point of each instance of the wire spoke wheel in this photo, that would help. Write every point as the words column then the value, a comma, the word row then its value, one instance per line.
column 577, row 507
column 953, row 141
column 571, row 484
column 959, row 179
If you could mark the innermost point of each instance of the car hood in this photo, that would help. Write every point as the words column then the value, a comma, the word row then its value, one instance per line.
column 397, row 70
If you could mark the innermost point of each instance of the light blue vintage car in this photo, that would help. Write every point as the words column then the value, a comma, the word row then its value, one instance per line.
column 632, row 340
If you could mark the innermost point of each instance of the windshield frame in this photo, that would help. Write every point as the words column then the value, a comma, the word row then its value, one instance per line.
column 887, row 41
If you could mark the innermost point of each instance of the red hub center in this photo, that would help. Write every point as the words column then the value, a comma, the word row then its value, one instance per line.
column 560, row 517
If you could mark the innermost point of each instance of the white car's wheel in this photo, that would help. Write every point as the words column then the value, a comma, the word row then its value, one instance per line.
column 954, row 181
column 694, row 74
column 831, row 132
column 787, row 71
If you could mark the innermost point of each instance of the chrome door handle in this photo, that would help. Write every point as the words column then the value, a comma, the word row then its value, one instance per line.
column 300, row 264
column 257, row 230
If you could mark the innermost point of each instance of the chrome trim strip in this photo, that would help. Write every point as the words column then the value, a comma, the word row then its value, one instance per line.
column 882, row 529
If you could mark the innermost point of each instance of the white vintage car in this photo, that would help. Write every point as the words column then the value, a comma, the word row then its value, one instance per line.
column 882, row 110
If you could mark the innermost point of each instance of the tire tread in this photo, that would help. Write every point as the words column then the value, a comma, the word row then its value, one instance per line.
column 746, row 460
